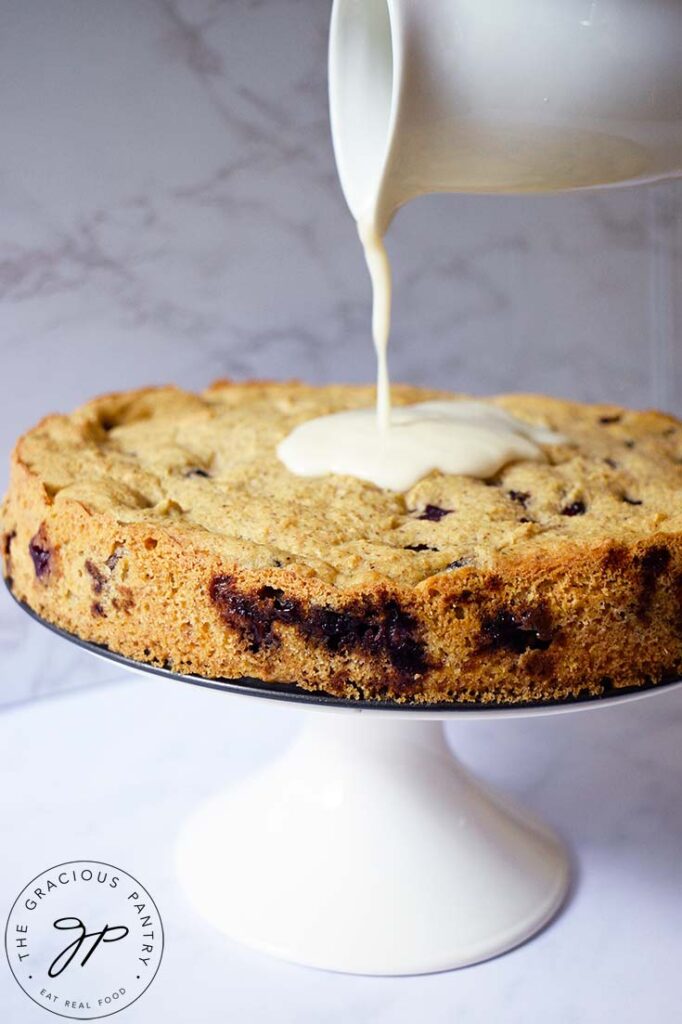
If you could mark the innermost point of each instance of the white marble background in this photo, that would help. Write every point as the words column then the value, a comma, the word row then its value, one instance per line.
column 609, row 780
column 169, row 211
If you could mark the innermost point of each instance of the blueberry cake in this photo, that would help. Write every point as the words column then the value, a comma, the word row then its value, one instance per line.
column 162, row 525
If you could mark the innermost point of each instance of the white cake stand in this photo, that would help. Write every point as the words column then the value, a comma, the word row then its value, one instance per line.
column 367, row 847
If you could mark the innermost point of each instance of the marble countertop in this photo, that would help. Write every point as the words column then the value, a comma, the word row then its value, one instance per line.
column 609, row 780
column 171, row 212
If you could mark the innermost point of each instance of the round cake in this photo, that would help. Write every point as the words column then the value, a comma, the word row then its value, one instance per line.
column 162, row 524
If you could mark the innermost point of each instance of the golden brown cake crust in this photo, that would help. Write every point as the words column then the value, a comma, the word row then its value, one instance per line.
column 161, row 524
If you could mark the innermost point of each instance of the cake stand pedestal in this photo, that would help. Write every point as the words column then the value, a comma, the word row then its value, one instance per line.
column 367, row 847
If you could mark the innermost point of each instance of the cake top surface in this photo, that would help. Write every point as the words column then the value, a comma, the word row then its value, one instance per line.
column 205, row 468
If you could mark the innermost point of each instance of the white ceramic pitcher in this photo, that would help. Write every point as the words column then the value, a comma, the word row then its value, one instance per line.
column 501, row 96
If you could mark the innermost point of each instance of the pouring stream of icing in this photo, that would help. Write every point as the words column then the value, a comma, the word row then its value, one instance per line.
column 379, row 268
column 394, row 448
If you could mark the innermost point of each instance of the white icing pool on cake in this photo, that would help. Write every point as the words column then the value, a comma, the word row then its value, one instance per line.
column 465, row 437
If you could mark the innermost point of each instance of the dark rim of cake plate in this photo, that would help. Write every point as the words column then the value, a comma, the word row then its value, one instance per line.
column 291, row 693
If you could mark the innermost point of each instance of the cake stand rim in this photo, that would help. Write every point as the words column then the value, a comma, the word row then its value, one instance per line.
column 290, row 693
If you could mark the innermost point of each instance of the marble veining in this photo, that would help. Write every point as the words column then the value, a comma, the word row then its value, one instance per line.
column 170, row 211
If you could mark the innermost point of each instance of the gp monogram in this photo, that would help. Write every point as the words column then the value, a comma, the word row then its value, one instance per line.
column 84, row 939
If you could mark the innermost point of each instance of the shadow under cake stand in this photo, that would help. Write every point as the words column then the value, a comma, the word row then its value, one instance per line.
column 367, row 847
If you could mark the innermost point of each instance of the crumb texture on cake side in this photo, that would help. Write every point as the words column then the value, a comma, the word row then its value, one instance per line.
column 161, row 524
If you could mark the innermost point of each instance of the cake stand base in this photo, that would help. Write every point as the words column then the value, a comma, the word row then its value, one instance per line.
column 368, row 848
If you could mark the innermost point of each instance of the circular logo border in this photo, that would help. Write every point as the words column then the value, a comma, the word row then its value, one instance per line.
column 69, row 863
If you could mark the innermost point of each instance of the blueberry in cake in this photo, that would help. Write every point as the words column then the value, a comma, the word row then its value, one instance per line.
column 163, row 525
